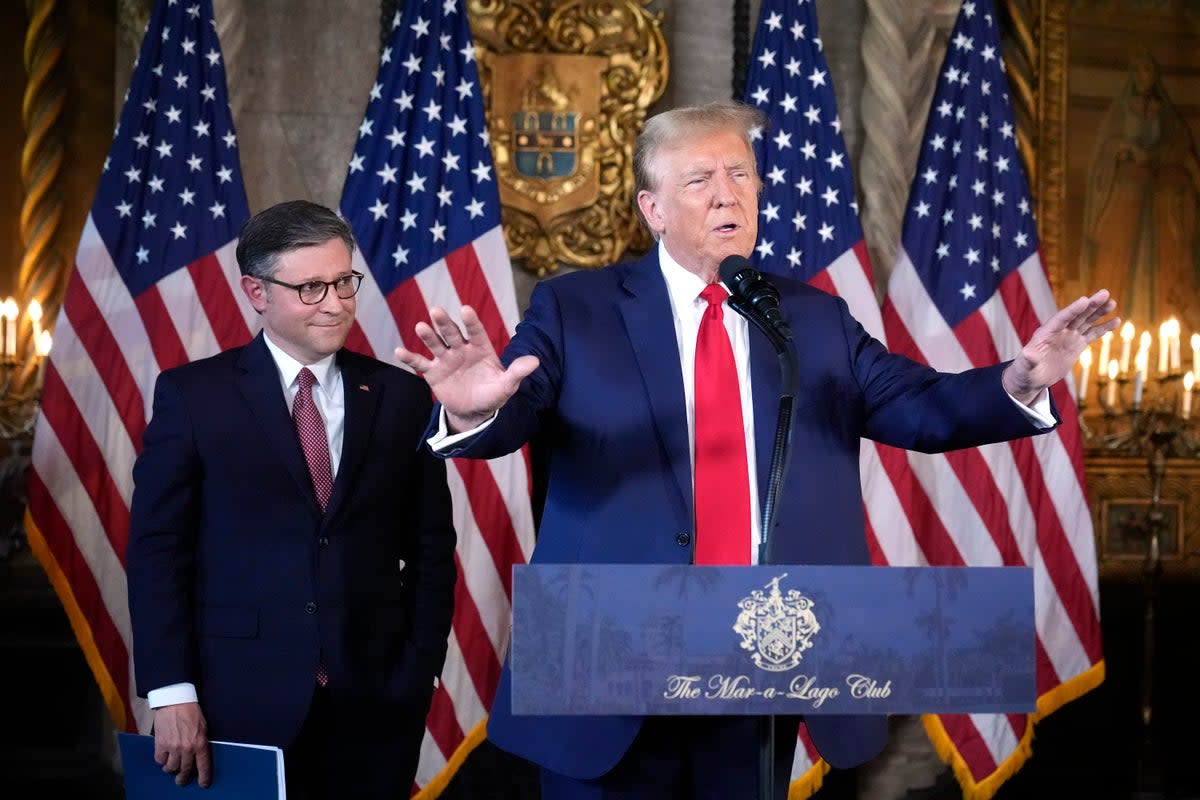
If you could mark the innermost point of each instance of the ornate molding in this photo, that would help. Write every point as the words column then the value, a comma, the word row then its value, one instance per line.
column 41, row 274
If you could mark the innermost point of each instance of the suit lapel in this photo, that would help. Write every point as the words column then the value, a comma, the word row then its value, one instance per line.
column 646, row 311
column 258, row 382
column 363, row 396
column 764, row 380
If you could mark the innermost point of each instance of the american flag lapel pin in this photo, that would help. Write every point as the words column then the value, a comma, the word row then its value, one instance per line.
column 362, row 387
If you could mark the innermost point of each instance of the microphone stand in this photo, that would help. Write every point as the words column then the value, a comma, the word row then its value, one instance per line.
column 789, row 370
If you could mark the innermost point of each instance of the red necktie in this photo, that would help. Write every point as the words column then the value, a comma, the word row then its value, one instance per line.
column 310, row 429
column 722, row 477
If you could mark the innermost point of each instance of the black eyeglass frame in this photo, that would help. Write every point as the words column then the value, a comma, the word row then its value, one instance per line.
column 299, row 287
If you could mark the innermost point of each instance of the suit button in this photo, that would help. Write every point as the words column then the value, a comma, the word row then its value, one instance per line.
column 323, row 541
column 310, row 608
column 683, row 539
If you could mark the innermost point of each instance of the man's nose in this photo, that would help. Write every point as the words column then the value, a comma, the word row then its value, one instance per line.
column 723, row 193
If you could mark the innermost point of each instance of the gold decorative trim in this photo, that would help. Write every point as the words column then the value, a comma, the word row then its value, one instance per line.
column 1050, row 136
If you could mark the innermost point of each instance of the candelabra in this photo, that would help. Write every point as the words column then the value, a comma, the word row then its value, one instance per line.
column 19, row 404
column 1149, row 419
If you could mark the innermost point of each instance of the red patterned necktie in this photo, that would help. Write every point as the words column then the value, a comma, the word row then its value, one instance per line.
column 722, row 477
column 310, row 429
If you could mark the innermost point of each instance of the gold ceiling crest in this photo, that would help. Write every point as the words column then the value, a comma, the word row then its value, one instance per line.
column 566, row 88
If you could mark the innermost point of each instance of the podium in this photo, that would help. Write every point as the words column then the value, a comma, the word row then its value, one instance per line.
column 599, row 639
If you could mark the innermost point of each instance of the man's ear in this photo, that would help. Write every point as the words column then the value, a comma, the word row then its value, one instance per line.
column 256, row 292
column 648, row 204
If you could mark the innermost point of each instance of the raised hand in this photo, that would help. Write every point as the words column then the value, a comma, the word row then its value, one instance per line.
column 465, row 373
column 1054, row 347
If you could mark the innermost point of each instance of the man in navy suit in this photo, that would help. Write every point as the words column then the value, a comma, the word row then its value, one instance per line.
column 602, row 367
column 285, row 588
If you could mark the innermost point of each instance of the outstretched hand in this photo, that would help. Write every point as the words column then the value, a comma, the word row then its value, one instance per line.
column 1054, row 347
column 464, row 373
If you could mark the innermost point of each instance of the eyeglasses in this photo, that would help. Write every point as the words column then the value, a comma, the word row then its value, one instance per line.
column 313, row 292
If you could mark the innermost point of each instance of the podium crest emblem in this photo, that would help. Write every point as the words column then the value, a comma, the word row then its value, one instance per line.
column 776, row 627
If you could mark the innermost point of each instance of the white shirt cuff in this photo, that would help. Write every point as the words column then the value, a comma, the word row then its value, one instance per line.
column 443, row 440
column 172, row 695
column 1038, row 411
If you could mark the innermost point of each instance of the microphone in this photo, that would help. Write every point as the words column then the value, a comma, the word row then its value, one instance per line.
column 755, row 292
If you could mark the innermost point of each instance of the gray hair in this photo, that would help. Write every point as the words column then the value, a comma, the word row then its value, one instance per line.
column 685, row 124
column 285, row 227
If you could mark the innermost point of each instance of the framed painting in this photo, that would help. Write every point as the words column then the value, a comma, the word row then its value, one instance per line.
column 1115, row 159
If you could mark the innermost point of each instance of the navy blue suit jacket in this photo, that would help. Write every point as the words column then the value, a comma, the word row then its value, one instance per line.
column 608, row 400
column 238, row 583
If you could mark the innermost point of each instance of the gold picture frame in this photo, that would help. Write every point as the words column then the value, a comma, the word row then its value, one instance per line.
column 1111, row 137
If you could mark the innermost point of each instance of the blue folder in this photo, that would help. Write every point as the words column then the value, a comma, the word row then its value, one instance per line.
column 240, row 772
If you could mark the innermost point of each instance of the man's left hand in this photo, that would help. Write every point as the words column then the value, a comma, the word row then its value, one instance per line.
column 1054, row 347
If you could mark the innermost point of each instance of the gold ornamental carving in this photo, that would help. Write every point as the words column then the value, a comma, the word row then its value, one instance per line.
column 566, row 87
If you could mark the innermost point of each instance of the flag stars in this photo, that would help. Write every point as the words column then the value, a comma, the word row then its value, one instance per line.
column 412, row 64
column 482, row 172
column 774, row 21
column 804, row 186
column 151, row 106
column 399, row 255
column 995, row 263
column 420, row 27
column 181, row 80
column 439, row 232
column 134, row 175
column 229, row 139
column 164, row 149
column 404, row 101
column 187, row 197
column 938, row 143
column 364, row 129
column 124, row 209
column 975, row 221
column 760, row 95
column 998, row 197
column 179, row 230
column 922, row 209
column 945, row 109
column 1021, row 239
column 978, row 188
column 793, row 258
column 809, row 150
column 948, row 216
column 792, row 67
column 783, row 140
column 972, row 256
column 967, row 291
column 433, row 111
column 143, row 255
column 439, row 75
column 379, row 210
column 376, row 92
column 201, row 129
column 817, row 77
column 156, row 184
column 396, row 137
column 988, row 53
column 813, row 115
column 213, row 57
column 148, row 219
column 217, row 210
column 408, row 220
column 1024, row 206
column 142, row 140
column 1002, row 164
column 450, row 162
column 830, row 196
column 995, row 230
column 388, row 174
column 416, row 183
column 766, row 58
column 789, row 104
column 981, row 154
column 1006, row 130
column 475, row 208
column 765, row 249
column 799, row 221
column 465, row 89
column 356, row 163
column 457, row 126
column 425, row 147
column 943, row 250
column 224, row 175
column 835, row 160
column 930, row 176
column 209, row 92
column 444, row 196
column 771, row 212
column 826, row 232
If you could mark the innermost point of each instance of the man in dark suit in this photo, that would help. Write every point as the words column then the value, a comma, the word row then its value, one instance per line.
column 606, row 365
column 291, row 551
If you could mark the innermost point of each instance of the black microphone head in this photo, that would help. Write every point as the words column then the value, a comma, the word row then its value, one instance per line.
column 732, row 267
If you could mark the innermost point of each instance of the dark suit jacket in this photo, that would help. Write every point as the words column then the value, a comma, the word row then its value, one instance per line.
column 237, row 581
column 608, row 397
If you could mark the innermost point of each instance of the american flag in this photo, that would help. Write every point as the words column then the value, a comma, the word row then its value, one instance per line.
column 422, row 198
column 155, row 285
column 808, row 219
column 968, row 289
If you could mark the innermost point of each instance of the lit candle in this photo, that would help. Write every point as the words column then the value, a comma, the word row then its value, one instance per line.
column 1143, row 347
column 42, row 346
column 1105, row 346
column 1163, row 347
column 1111, row 398
column 1126, row 342
column 1085, row 366
column 1189, row 380
column 1173, row 340
column 1196, row 354
column 1141, row 365
column 35, row 317
column 8, row 310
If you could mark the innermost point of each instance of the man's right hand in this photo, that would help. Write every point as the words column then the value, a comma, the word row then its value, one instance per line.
column 465, row 373
column 181, row 743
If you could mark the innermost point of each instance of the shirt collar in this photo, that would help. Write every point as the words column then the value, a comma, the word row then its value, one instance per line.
column 289, row 367
column 683, row 287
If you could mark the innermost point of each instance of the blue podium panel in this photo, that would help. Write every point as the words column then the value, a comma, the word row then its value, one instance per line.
column 654, row 639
